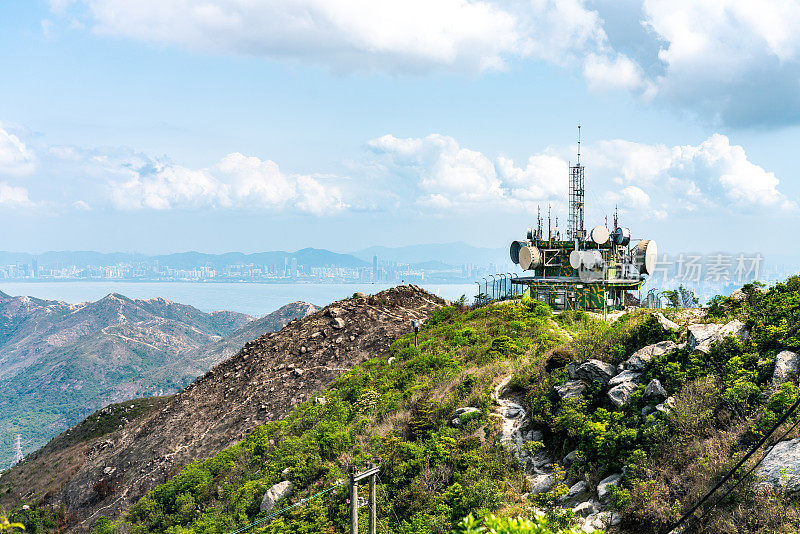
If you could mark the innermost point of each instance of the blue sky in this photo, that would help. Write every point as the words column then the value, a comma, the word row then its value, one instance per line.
column 232, row 125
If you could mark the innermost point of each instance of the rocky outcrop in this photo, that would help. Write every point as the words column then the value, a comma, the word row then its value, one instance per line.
column 570, row 389
column 654, row 393
column 787, row 367
column 780, row 469
column 592, row 370
column 700, row 337
column 279, row 491
column 665, row 323
column 257, row 385
column 620, row 395
column 639, row 359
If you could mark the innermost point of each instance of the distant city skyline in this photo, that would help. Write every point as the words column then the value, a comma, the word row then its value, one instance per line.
column 134, row 126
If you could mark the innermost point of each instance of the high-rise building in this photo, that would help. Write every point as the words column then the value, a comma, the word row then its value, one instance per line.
column 375, row 268
column 34, row 268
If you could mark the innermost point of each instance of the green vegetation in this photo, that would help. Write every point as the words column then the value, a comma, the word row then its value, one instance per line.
column 5, row 526
column 433, row 474
column 441, row 478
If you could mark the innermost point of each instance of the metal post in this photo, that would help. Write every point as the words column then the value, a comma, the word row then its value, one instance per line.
column 353, row 501
column 477, row 297
column 373, row 509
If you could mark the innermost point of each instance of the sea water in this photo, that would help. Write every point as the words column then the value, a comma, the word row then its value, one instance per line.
column 246, row 297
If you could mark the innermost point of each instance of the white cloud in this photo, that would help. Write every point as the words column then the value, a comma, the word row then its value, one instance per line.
column 653, row 179
column 235, row 182
column 15, row 157
column 713, row 173
column 736, row 60
column 14, row 197
column 603, row 72
column 411, row 35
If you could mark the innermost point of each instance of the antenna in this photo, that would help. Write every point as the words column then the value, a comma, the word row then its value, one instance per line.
column 577, row 193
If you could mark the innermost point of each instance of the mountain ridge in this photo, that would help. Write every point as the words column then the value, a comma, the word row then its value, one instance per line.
column 60, row 361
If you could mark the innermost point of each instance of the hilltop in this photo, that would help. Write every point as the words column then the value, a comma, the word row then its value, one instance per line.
column 507, row 409
column 262, row 382
column 59, row 362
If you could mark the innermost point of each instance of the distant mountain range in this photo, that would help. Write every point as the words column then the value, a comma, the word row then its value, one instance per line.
column 444, row 254
column 60, row 362
column 310, row 257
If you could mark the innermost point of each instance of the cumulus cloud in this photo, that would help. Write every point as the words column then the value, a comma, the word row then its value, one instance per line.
column 16, row 158
column 734, row 60
column 235, row 182
column 411, row 35
column 13, row 196
column 447, row 175
column 653, row 179
column 712, row 173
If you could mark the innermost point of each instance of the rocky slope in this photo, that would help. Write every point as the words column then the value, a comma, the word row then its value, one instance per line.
column 262, row 382
column 60, row 362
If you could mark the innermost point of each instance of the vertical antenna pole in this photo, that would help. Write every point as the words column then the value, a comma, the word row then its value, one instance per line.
column 353, row 501
column 579, row 145
column 373, row 513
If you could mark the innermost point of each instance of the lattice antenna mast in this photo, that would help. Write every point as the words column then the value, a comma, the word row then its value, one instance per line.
column 18, row 457
column 577, row 193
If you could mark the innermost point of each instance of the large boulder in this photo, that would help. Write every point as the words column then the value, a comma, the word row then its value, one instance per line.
column 665, row 323
column 639, row 359
column 781, row 467
column 620, row 395
column 592, row 370
column 279, row 491
column 605, row 486
column 572, row 388
column 654, row 393
column 541, row 483
column 625, row 376
column 787, row 367
column 702, row 336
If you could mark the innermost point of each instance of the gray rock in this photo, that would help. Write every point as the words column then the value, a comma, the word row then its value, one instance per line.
column 702, row 336
column 787, row 366
column 585, row 509
column 573, row 388
column 625, row 376
column 781, row 467
column 665, row 323
column 534, row 435
column 541, row 483
column 606, row 485
column 592, row 370
column 620, row 395
column 647, row 410
column 666, row 406
column 576, row 492
column 570, row 458
column 654, row 393
column 639, row 359
column 279, row 491
column 285, row 473
column 338, row 323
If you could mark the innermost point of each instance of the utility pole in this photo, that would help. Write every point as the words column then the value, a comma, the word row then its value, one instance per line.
column 371, row 473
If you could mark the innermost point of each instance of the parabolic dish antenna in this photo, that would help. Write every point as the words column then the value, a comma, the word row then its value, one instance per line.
column 647, row 256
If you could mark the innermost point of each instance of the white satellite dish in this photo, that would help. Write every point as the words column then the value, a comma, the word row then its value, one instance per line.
column 647, row 256
column 600, row 234
column 530, row 257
